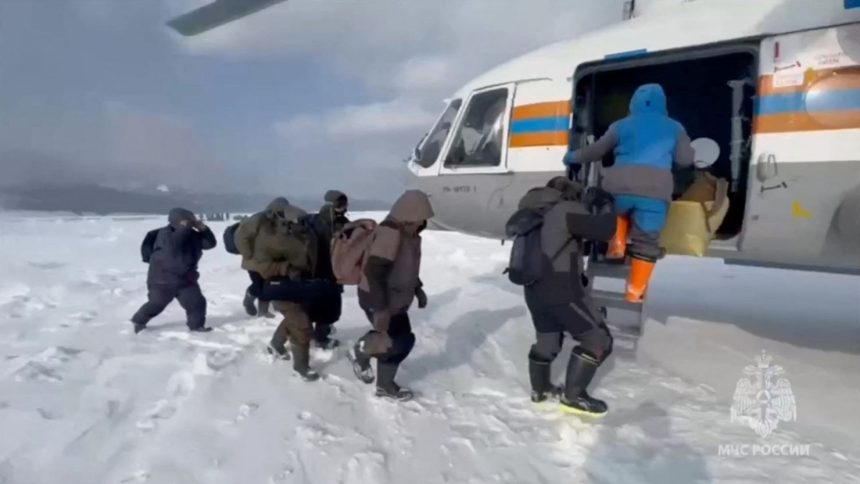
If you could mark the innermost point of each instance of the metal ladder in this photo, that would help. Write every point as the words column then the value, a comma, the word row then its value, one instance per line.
column 600, row 269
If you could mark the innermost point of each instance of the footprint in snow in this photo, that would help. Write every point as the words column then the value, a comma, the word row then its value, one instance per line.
column 162, row 410
column 245, row 411
column 363, row 467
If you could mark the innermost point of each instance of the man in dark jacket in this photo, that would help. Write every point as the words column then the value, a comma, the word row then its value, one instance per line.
column 389, row 285
column 173, row 253
column 330, row 219
column 560, row 301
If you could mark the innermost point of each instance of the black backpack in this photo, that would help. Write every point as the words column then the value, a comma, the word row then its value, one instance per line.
column 229, row 242
column 596, row 222
column 525, row 266
column 148, row 245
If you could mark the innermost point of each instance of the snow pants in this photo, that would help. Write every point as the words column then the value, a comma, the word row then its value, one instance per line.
column 324, row 312
column 597, row 341
column 295, row 327
column 647, row 217
column 401, row 335
column 256, row 287
column 190, row 298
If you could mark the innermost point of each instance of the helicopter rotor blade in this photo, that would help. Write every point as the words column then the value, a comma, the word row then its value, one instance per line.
column 216, row 14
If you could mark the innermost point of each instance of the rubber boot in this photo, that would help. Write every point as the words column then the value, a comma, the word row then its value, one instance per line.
column 637, row 281
column 322, row 337
column 580, row 372
column 361, row 363
column 385, row 385
column 618, row 244
column 263, row 309
column 278, row 344
column 278, row 352
column 302, row 360
column 539, row 376
column 249, row 304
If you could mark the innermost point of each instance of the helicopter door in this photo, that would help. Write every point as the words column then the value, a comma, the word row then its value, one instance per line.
column 806, row 156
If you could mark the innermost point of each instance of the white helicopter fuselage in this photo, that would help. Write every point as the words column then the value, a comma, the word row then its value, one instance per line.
column 776, row 84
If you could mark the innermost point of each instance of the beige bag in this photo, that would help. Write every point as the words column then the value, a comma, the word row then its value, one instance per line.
column 348, row 249
column 695, row 218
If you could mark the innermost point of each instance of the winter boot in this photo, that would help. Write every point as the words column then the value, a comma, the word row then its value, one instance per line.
column 539, row 375
column 200, row 329
column 580, row 371
column 263, row 310
column 637, row 282
column 361, row 363
column 250, row 304
column 301, row 362
column 322, row 337
column 278, row 344
column 385, row 386
column 278, row 351
column 138, row 327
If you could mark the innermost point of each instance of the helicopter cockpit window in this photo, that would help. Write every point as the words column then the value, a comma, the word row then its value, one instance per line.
column 480, row 136
column 428, row 152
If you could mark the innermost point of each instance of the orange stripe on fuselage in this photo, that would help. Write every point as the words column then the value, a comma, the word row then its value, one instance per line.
column 541, row 110
column 841, row 78
column 796, row 122
column 526, row 140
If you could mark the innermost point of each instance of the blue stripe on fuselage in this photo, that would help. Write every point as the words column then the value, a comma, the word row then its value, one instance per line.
column 842, row 100
column 540, row 125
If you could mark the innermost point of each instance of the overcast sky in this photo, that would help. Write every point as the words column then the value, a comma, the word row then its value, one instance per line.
column 301, row 97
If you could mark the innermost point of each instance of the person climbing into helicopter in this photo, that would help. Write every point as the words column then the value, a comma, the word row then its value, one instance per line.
column 646, row 143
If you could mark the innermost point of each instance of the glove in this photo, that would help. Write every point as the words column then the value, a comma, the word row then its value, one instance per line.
column 422, row 298
column 381, row 320
column 569, row 159
column 200, row 226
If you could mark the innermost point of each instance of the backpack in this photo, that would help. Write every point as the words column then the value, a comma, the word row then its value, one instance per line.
column 229, row 242
column 525, row 266
column 348, row 250
column 148, row 245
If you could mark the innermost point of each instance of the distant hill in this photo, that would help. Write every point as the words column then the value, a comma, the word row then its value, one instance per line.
column 86, row 198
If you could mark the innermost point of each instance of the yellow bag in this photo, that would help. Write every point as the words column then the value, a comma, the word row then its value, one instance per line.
column 686, row 231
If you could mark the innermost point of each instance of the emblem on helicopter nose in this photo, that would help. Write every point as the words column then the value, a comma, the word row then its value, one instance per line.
column 764, row 399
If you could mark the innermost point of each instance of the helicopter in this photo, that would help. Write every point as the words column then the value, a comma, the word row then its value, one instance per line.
column 776, row 89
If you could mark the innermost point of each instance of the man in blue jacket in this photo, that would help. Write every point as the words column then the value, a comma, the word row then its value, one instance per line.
column 646, row 144
column 173, row 253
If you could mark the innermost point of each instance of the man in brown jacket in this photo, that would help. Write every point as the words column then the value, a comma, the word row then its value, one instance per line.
column 389, row 285
column 284, row 254
column 244, row 240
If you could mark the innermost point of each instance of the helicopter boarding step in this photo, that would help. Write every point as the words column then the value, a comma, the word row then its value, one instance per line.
column 611, row 299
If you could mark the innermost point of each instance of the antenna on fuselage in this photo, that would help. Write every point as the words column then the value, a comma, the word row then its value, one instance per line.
column 629, row 10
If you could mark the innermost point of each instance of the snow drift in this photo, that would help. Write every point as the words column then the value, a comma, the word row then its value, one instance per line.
column 84, row 400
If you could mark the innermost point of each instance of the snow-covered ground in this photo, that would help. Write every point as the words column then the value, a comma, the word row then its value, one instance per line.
column 83, row 400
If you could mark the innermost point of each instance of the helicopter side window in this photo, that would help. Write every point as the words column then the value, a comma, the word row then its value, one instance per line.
column 480, row 136
column 428, row 151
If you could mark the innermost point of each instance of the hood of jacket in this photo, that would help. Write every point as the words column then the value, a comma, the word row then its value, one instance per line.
column 336, row 198
column 177, row 215
column 412, row 206
column 649, row 99
column 277, row 205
